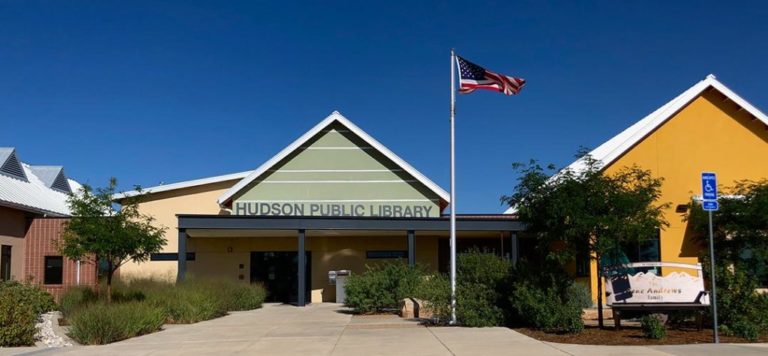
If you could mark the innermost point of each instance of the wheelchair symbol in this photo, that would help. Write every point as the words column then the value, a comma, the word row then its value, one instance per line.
column 708, row 188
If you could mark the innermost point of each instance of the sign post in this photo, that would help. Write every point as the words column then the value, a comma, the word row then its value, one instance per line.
column 709, row 204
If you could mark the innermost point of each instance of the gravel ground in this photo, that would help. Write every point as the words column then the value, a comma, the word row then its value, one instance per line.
column 49, row 334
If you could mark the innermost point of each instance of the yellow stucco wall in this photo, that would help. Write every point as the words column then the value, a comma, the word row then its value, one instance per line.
column 710, row 134
column 13, row 225
column 163, row 207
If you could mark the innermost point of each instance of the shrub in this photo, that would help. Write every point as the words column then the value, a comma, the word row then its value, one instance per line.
column 188, row 302
column 653, row 327
column 74, row 298
column 240, row 296
column 742, row 311
column 547, row 300
column 579, row 294
column 20, row 306
column 435, row 293
column 480, row 279
column 481, row 289
column 101, row 323
column 382, row 287
column 545, row 309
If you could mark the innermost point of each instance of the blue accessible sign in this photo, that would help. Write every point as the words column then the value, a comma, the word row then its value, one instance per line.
column 709, row 191
column 708, row 186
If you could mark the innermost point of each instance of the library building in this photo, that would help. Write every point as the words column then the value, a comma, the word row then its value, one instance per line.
column 336, row 200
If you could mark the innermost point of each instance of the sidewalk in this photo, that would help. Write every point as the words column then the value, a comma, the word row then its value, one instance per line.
column 326, row 329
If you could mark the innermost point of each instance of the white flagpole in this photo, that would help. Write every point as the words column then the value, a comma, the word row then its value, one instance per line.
column 453, row 189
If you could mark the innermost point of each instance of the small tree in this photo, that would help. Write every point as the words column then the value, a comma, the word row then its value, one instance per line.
column 98, row 231
column 587, row 212
column 741, row 253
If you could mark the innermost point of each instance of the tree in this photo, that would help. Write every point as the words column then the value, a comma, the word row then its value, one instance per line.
column 98, row 232
column 586, row 212
column 740, row 227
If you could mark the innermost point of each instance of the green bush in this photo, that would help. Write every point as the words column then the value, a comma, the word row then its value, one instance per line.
column 547, row 299
column 382, row 287
column 545, row 309
column 653, row 327
column 20, row 307
column 237, row 296
column 481, row 288
column 74, row 298
column 102, row 323
column 187, row 302
column 435, row 293
column 741, row 311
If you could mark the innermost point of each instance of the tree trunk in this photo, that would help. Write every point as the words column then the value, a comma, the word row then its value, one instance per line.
column 110, row 272
column 96, row 276
column 599, row 293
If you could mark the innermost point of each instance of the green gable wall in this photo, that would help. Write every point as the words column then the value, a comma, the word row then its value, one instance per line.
column 337, row 173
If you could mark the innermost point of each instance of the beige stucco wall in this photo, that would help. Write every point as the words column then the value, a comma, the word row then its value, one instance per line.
column 13, row 224
column 163, row 207
column 222, row 257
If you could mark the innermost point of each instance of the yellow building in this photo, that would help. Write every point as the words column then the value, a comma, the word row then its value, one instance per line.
column 707, row 128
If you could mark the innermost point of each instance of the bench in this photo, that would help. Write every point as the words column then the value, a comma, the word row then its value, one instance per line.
column 627, row 290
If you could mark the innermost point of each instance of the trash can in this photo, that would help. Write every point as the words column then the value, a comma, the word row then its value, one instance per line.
column 339, row 278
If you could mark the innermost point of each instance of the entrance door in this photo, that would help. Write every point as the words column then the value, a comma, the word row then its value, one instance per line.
column 278, row 271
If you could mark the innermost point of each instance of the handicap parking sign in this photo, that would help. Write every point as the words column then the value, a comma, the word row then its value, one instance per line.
column 708, row 186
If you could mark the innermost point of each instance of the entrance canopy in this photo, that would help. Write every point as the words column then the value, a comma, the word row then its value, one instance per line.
column 213, row 226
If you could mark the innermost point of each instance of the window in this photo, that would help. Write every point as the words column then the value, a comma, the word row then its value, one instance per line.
column 5, row 263
column 385, row 254
column 54, row 269
column 170, row 256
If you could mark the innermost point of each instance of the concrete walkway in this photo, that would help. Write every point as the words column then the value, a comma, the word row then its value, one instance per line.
column 326, row 329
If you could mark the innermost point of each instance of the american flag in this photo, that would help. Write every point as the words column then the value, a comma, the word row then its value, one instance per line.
column 475, row 77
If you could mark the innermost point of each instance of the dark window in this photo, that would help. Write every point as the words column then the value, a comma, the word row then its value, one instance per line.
column 170, row 256
column 5, row 263
column 582, row 265
column 385, row 254
column 54, row 269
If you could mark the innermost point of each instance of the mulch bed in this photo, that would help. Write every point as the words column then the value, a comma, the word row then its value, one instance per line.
column 629, row 335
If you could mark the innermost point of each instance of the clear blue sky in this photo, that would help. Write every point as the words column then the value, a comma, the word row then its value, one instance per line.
column 161, row 91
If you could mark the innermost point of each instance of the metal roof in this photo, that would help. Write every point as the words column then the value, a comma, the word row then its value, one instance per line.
column 614, row 148
column 33, row 194
column 182, row 185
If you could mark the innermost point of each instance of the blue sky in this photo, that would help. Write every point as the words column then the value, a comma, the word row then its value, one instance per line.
column 155, row 91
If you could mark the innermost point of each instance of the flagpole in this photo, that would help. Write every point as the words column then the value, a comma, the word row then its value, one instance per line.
column 453, row 189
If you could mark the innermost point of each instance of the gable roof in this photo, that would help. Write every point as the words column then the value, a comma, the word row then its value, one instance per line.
column 53, row 177
column 333, row 117
column 611, row 150
column 35, row 193
column 182, row 185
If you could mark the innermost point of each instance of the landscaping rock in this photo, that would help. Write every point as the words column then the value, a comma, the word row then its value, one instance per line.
column 48, row 332
column 412, row 308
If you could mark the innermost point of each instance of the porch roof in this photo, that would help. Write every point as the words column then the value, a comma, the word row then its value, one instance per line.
column 237, row 222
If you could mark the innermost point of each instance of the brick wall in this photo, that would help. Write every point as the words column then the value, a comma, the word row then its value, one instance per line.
column 39, row 242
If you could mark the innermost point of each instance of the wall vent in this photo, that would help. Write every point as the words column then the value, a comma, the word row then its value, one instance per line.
column 61, row 183
column 12, row 167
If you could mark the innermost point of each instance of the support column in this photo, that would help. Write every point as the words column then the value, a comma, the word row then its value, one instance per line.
column 411, row 248
column 301, row 301
column 513, row 248
column 182, row 259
